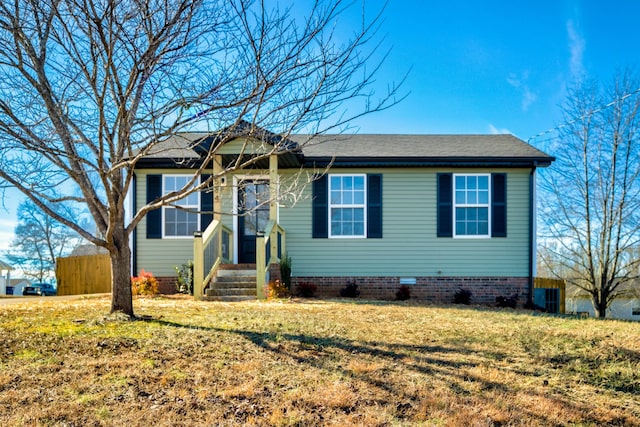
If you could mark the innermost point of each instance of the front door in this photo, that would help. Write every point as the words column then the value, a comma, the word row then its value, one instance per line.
column 253, row 216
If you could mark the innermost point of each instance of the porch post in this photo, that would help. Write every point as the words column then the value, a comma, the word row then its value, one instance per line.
column 198, row 266
column 261, row 269
column 217, row 188
column 273, row 203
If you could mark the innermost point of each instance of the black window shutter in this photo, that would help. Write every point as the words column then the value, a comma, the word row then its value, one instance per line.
column 374, row 206
column 445, row 205
column 498, row 205
column 206, row 204
column 154, row 217
column 320, row 208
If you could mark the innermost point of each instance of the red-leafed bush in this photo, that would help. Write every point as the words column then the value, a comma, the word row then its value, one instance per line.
column 144, row 284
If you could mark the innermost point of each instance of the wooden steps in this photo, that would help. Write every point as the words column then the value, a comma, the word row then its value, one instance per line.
column 233, row 282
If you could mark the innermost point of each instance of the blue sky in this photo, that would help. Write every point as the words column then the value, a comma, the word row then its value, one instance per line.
column 483, row 66
column 489, row 66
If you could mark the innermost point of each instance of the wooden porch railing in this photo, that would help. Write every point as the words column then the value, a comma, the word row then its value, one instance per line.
column 269, row 250
column 211, row 248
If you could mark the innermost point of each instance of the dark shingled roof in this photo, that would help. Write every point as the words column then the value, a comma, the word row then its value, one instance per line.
column 179, row 146
column 422, row 148
column 383, row 150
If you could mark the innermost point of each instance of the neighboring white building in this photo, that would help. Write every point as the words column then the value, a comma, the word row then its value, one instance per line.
column 623, row 308
column 5, row 277
column 18, row 286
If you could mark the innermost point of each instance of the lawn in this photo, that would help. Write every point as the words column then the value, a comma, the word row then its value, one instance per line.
column 312, row 362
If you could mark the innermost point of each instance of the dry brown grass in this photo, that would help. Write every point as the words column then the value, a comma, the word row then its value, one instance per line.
column 312, row 363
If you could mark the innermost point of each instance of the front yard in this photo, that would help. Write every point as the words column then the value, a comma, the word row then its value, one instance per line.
column 312, row 363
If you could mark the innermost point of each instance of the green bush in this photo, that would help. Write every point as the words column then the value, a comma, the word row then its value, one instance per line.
column 184, row 282
column 462, row 296
column 285, row 271
column 404, row 293
column 306, row 289
column 507, row 302
column 350, row 290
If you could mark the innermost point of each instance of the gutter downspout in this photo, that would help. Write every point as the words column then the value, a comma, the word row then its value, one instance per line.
column 532, row 232
column 134, row 236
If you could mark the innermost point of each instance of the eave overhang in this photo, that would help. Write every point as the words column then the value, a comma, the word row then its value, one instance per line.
column 285, row 161
column 408, row 162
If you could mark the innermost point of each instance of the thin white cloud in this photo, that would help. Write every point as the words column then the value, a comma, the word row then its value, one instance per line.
column 520, row 84
column 528, row 98
column 6, row 233
column 514, row 81
column 498, row 131
column 577, row 45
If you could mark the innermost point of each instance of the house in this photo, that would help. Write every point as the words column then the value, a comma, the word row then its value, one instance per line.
column 17, row 286
column 625, row 307
column 433, row 212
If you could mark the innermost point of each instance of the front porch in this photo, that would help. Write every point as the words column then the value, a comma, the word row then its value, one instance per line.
column 234, row 263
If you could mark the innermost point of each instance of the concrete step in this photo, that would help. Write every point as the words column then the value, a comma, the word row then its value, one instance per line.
column 231, row 298
column 226, row 279
column 232, row 273
column 216, row 292
column 234, row 284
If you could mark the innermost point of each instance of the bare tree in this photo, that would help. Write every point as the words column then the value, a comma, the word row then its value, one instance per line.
column 39, row 240
column 591, row 197
column 88, row 87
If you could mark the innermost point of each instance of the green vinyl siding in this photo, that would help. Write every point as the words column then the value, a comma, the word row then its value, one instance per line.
column 409, row 246
column 246, row 146
column 159, row 256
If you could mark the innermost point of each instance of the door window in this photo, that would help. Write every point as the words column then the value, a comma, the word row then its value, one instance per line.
column 255, row 207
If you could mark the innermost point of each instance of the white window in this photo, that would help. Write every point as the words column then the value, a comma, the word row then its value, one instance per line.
column 347, row 205
column 471, row 213
column 181, row 221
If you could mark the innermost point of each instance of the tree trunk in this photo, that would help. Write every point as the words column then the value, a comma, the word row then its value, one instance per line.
column 601, row 309
column 121, row 300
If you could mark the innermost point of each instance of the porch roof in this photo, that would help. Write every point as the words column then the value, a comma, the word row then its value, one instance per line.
column 190, row 148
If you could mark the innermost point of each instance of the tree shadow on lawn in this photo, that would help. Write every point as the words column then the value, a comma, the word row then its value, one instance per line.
column 421, row 359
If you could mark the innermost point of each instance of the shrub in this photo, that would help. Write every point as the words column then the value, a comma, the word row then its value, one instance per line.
column 144, row 284
column 509, row 302
column 277, row 289
column 306, row 289
column 350, row 290
column 462, row 296
column 403, row 293
column 184, row 282
column 285, row 271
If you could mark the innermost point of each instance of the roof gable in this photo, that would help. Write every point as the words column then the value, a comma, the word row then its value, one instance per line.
column 190, row 148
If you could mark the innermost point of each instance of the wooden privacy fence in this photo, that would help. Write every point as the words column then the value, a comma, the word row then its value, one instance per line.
column 79, row 275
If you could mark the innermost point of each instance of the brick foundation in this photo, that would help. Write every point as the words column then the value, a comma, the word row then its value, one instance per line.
column 274, row 272
column 167, row 285
column 433, row 289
